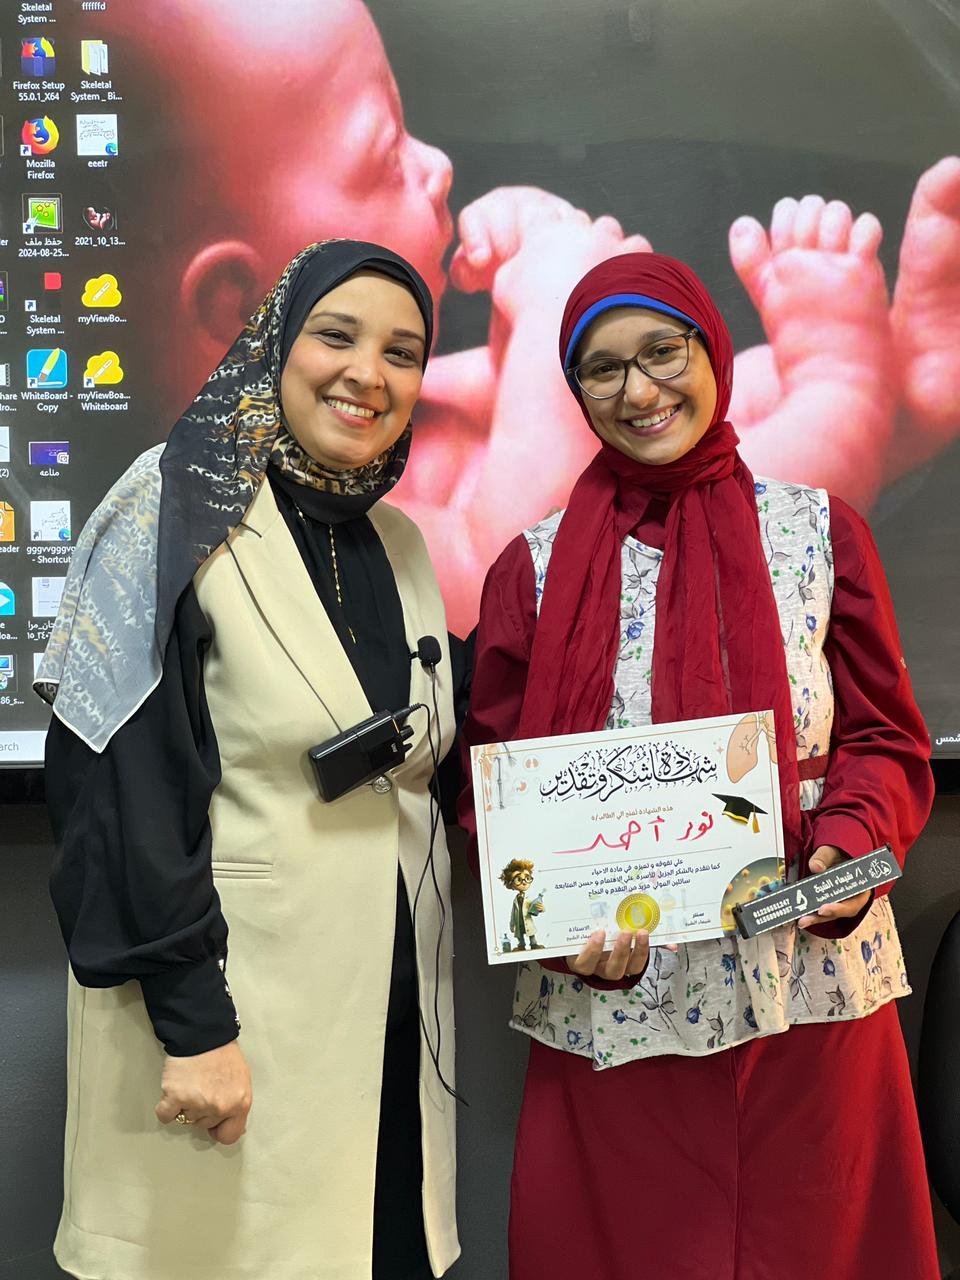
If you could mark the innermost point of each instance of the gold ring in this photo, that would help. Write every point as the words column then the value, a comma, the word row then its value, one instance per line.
column 182, row 1119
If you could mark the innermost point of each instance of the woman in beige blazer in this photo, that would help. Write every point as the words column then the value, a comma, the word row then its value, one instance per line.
column 241, row 595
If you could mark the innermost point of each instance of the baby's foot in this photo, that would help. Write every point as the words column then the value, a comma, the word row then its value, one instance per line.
column 816, row 406
column 925, row 319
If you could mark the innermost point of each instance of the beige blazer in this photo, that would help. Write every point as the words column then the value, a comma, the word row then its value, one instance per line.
column 308, row 890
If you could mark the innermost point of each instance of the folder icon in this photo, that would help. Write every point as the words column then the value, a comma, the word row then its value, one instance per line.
column 94, row 57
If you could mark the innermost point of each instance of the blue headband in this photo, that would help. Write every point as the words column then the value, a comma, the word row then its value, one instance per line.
column 606, row 304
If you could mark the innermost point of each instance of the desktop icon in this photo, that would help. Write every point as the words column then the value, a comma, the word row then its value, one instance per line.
column 100, row 218
column 4, row 446
column 102, row 291
column 8, row 673
column 8, row 601
column 48, row 453
column 39, row 136
column 46, row 368
column 37, row 57
column 50, row 521
column 42, row 214
column 94, row 58
column 103, row 370
column 8, row 523
column 52, row 280
column 4, row 291
column 97, row 135
column 46, row 594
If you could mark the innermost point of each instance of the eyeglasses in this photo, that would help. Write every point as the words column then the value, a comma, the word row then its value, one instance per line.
column 605, row 376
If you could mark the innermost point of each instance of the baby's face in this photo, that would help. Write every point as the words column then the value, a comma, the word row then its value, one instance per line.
column 295, row 130
column 343, row 162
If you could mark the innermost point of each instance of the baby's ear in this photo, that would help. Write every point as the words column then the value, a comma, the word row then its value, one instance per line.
column 222, row 287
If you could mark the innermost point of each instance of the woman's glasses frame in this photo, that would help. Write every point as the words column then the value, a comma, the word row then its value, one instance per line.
column 574, row 370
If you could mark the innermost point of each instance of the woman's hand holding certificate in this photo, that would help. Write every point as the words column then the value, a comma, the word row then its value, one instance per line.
column 611, row 838
column 629, row 957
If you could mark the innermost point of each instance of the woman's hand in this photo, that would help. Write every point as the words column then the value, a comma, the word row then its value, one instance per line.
column 212, row 1090
column 628, row 959
column 823, row 859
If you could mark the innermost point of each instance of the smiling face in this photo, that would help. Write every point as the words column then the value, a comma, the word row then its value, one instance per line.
column 653, row 422
column 354, row 371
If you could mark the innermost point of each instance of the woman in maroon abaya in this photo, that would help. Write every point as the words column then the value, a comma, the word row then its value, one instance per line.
column 734, row 1109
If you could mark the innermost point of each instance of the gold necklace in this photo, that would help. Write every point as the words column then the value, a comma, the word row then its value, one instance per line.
column 336, row 580
column 336, row 568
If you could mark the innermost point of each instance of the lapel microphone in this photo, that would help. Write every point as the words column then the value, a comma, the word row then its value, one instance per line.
column 429, row 652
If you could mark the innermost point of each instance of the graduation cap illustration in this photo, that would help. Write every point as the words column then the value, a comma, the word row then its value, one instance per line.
column 740, row 809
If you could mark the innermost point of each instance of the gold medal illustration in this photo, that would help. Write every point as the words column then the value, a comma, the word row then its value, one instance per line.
column 638, row 911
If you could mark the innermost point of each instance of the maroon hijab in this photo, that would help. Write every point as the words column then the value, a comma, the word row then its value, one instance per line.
column 718, row 647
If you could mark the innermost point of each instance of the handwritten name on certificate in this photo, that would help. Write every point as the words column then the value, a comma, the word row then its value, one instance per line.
column 664, row 828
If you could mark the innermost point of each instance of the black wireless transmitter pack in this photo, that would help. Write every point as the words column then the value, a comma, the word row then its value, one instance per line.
column 362, row 753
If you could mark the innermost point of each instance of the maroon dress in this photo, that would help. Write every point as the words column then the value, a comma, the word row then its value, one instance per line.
column 781, row 1158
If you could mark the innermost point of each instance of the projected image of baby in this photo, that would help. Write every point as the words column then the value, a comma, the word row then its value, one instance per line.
column 848, row 397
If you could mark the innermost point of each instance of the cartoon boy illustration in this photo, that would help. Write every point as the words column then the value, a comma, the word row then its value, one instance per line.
column 517, row 875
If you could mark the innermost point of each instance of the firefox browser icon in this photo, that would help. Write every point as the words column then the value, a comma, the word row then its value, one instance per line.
column 37, row 57
column 38, row 137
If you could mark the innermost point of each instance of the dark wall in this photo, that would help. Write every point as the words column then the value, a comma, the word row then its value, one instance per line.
column 490, row 1057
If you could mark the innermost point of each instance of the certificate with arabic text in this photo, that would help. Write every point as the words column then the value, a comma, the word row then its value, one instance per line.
column 664, row 828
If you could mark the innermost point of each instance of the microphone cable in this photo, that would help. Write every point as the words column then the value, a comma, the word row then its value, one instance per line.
column 430, row 864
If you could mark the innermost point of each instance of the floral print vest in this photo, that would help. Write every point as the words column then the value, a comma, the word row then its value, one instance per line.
column 715, row 994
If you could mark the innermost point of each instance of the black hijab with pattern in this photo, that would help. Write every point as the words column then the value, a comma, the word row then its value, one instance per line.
column 142, row 546
column 217, row 453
